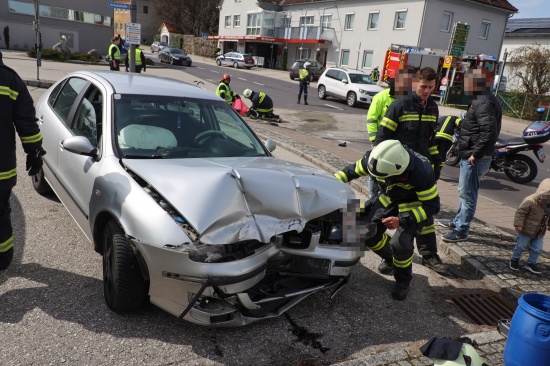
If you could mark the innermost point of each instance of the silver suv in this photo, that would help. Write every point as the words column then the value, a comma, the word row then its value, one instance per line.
column 354, row 86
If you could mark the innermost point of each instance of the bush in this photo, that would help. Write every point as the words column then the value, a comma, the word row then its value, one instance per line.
column 49, row 54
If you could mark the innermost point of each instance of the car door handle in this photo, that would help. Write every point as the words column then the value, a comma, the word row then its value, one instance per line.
column 40, row 119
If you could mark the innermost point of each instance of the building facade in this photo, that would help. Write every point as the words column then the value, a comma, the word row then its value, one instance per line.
column 356, row 33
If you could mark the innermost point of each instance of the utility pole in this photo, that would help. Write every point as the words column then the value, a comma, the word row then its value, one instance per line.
column 501, row 71
column 132, row 51
column 38, row 44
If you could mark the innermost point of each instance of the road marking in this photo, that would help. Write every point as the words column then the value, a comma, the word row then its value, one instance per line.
column 257, row 83
column 210, row 80
column 202, row 68
column 241, row 79
column 214, row 71
column 331, row 106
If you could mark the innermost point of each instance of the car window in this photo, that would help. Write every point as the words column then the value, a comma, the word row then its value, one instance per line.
column 67, row 96
column 360, row 79
column 88, row 116
column 342, row 75
column 333, row 74
column 54, row 94
column 171, row 127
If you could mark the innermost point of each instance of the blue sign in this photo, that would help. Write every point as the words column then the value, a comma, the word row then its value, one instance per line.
column 205, row 35
column 119, row 5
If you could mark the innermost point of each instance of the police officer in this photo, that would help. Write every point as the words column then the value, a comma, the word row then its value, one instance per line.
column 408, row 197
column 224, row 91
column 375, row 74
column 305, row 78
column 140, row 60
column 16, row 115
column 262, row 105
column 114, row 53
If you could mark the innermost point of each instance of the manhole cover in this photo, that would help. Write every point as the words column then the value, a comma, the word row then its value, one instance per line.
column 483, row 307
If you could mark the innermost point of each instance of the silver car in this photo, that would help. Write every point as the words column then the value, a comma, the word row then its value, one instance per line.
column 235, row 59
column 188, row 208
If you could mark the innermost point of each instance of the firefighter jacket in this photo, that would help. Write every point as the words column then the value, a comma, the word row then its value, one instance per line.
column 261, row 103
column 480, row 127
column 414, row 191
column 114, row 52
column 380, row 103
column 446, row 126
column 225, row 92
column 305, row 77
column 17, row 114
column 375, row 75
column 414, row 125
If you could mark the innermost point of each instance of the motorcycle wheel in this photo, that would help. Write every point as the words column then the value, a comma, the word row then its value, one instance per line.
column 520, row 169
column 452, row 158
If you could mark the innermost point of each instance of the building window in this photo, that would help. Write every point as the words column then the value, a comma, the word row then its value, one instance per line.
column 484, row 30
column 373, row 20
column 237, row 20
column 400, row 18
column 288, row 22
column 349, row 21
column 326, row 21
column 253, row 24
column 304, row 53
column 47, row 11
column 306, row 21
column 367, row 58
column 228, row 21
column 446, row 21
column 345, row 58
column 145, row 10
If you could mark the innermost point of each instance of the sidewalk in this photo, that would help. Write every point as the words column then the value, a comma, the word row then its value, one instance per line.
column 487, row 251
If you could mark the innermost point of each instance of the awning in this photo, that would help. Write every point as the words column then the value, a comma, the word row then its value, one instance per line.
column 266, row 39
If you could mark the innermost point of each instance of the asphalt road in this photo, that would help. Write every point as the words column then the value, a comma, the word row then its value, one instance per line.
column 54, row 312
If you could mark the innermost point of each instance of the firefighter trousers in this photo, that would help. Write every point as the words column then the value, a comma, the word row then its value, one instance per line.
column 6, row 230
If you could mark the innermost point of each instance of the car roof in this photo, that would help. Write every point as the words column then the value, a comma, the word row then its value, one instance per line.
column 130, row 83
column 347, row 70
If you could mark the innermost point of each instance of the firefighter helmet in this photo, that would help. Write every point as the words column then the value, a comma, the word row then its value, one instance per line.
column 248, row 93
column 226, row 77
column 388, row 158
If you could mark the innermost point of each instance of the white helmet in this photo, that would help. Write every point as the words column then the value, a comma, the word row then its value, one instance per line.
column 388, row 158
column 307, row 64
column 248, row 93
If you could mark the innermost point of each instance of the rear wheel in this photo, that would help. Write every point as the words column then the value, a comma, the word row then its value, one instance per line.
column 322, row 92
column 124, row 287
column 235, row 65
column 39, row 183
column 452, row 158
column 520, row 169
column 351, row 99
column 218, row 62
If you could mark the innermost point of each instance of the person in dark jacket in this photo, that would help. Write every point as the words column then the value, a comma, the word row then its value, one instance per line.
column 408, row 198
column 262, row 105
column 17, row 115
column 476, row 144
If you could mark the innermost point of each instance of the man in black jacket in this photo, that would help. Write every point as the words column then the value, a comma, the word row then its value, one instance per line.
column 476, row 144
column 16, row 115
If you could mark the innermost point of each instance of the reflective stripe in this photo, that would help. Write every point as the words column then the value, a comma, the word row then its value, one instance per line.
column 428, row 194
column 433, row 150
column 419, row 214
column 384, row 200
column 381, row 244
column 9, row 174
column 31, row 139
column 409, row 117
column 388, row 123
column 444, row 136
column 408, row 206
column 7, row 245
column 359, row 170
column 429, row 118
column 261, row 98
column 404, row 263
column 4, row 90
column 408, row 187
column 341, row 176
column 428, row 229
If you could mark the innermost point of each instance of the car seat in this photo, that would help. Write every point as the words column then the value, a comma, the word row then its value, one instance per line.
column 146, row 137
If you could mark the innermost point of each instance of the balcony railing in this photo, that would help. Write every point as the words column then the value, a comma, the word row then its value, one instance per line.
column 297, row 32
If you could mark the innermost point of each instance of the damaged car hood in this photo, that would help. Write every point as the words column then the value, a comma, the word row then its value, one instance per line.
column 234, row 199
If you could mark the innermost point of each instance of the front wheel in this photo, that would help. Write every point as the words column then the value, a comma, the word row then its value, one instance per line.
column 172, row 62
column 520, row 169
column 452, row 158
column 39, row 183
column 322, row 92
column 218, row 62
column 351, row 99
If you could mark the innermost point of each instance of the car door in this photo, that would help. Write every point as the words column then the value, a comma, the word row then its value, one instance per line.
column 78, row 173
column 341, row 85
column 330, row 79
column 317, row 69
column 226, row 60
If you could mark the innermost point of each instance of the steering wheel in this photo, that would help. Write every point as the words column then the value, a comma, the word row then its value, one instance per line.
column 203, row 136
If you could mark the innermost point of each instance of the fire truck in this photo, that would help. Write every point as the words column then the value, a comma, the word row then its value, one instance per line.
column 407, row 56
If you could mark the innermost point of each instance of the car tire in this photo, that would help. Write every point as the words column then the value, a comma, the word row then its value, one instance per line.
column 172, row 61
column 152, row 50
column 235, row 65
column 248, row 68
column 291, row 78
column 189, row 64
column 39, row 183
column 322, row 92
column 351, row 99
column 124, row 288
column 218, row 62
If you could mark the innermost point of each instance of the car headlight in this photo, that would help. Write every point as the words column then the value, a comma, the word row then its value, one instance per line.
column 363, row 91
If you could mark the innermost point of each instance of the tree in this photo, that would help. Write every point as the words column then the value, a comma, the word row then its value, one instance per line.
column 530, row 65
column 192, row 16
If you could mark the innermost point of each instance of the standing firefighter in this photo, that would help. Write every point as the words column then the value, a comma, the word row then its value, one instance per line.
column 16, row 115
column 375, row 74
column 225, row 92
column 262, row 105
column 305, row 78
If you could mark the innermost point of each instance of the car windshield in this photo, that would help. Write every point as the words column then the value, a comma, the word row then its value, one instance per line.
column 176, row 51
column 361, row 79
column 163, row 44
column 167, row 127
column 246, row 55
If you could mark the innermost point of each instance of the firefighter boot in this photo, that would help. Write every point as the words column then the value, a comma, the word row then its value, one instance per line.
column 305, row 100
column 5, row 258
column 400, row 291
column 403, row 277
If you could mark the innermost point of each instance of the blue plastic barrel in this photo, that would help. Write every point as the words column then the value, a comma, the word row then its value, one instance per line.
column 528, row 340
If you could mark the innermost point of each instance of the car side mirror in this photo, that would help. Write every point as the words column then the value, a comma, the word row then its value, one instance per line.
column 345, row 81
column 270, row 145
column 79, row 145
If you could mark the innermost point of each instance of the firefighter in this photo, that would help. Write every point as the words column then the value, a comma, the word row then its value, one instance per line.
column 225, row 92
column 262, row 105
column 407, row 199
column 375, row 74
column 140, row 60
column 17, row 114
column 446, row 126
column 114, row 53
column 305, row 78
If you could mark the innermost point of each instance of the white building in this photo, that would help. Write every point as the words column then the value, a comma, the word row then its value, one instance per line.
column 356, row 33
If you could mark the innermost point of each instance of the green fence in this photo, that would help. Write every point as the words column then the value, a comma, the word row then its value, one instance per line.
column 522, row 105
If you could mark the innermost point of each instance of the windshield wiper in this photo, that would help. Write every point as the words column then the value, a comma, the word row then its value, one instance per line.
column 143, row 157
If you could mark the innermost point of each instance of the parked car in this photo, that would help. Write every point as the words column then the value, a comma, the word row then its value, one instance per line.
column 158, row 46
column 235, row 59
column 174, row 56
column 354, row 86
column 316, row 69
column 188, row 208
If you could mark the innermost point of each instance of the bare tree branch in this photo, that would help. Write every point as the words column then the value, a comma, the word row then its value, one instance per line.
column 192, row 16
column 530, row 65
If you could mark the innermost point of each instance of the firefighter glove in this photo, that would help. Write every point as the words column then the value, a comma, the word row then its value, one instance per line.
column 34, row 161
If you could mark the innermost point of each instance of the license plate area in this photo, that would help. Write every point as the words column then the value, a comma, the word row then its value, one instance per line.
column 540, row 154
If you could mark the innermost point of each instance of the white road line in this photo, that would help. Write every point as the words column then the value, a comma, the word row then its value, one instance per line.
column 210, row 80
column 241, row 79
column 331, row 106
column 214, row 71
column 202, row 68
column 257, row 83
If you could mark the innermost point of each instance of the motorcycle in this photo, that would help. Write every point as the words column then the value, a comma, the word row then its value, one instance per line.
column 517, row 167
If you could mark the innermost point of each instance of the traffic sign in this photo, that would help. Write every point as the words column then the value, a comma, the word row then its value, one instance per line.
column 447, row 62
column 133, row 33
column 205, row 36
column 444, row 81
column 114, row 5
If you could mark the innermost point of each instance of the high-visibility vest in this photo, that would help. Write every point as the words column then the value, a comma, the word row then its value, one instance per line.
column 138, row 53
column 117, row 51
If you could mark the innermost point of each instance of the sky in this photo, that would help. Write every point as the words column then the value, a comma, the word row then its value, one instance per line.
column 531, row 8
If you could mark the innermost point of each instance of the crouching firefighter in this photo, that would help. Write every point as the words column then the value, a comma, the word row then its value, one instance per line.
column 408, row 196
column 262, row 105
